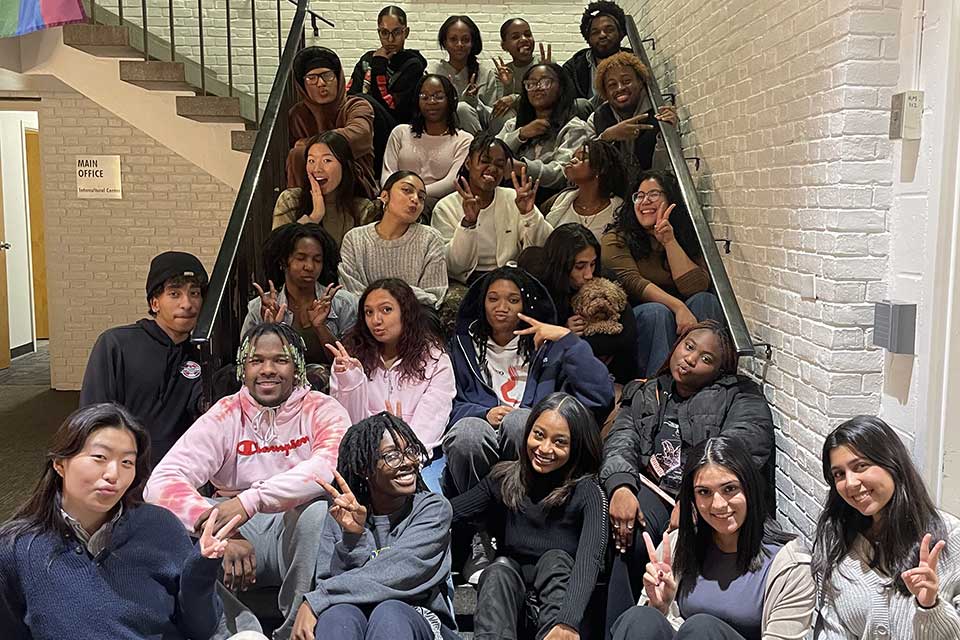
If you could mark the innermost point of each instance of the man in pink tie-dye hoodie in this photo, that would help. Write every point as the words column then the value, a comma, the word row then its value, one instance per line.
column 262, row 450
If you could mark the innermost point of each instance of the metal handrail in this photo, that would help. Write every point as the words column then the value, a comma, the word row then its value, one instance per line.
column 718, row 273
column 223, row 277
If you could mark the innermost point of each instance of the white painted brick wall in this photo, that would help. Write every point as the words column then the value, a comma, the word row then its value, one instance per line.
column 553, row 21
column 786, row 102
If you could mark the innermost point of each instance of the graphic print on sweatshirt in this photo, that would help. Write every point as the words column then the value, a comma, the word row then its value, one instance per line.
column 666, row 460
column 507, row 371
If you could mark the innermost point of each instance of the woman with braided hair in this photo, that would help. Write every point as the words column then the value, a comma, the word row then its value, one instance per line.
column 384, row 562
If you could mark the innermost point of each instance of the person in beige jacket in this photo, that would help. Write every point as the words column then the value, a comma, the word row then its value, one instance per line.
column 484, row 226
column 729, row 572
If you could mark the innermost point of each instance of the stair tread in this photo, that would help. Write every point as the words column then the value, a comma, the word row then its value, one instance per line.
column 243, row 140
column 155, row 74
column 100, row 40
column 209, row 108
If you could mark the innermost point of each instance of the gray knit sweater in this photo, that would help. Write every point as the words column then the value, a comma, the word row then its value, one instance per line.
column 859, row 604
column 417, row 257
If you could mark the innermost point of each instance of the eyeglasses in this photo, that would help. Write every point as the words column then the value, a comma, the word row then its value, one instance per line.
column 314, row 78
column 542, row 83
column 613, row 84
column 395, row 457
column 653, row 195
column 433, row 98
column 387, row 34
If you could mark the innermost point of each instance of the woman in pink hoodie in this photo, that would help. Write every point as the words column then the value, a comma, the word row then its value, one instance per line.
column 393, row 361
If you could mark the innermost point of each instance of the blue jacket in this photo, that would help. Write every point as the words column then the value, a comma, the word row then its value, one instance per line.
column 566, row 365
column 150, row 582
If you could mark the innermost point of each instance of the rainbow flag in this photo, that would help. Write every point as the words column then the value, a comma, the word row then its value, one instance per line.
column 18, row 17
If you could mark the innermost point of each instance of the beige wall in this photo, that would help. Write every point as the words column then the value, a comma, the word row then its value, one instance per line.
column 98, row 251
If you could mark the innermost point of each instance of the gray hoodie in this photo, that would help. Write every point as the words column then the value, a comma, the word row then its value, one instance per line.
column 403, row 556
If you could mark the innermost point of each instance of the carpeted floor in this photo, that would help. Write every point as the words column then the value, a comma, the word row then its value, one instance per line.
column 30, row 412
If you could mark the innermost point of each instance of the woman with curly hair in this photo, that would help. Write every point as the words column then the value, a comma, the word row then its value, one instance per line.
column 393, row 361
column 597, row 173
column 332, row 198
column 652, row 248
column 384, row 562
column 433, row 146
column 546, row 132
column 626, row 117
column 304, row 259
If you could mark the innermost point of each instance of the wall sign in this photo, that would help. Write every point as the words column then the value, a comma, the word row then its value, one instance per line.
column 98, row 177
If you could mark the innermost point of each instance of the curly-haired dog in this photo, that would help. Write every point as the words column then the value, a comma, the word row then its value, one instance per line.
column 600, row 302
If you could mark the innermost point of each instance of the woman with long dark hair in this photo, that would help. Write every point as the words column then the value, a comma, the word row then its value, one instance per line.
column 332, row 199
column 652, row 249
column 389, row 74
column 393, row 360
column 384, row 563
column 730, row 572
column 475, row 81
column 396, row 245
column 304, row 259
column 432, row 145
column 554, row 521
column 597, row 173
column 569, row 259
column 84, row 557
column 484, row 225
column 886, row 560
column 696, row 394
column 546, row 132
column 508, row 354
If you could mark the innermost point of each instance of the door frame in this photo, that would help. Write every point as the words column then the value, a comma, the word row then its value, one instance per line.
column 4, row 314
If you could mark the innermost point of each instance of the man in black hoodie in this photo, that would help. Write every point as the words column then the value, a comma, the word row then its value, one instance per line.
column 150, row 367
column 603, row 26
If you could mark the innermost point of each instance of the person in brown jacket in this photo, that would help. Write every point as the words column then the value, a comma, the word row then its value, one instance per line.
column 652, row 249
column 326, row 107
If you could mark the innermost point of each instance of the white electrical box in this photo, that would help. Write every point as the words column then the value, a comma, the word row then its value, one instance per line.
column 906, row 113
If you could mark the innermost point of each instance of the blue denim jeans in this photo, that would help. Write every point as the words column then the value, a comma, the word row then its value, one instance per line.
column 657, row 328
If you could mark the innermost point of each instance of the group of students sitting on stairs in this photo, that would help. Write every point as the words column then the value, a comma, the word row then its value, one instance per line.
column 440, row 376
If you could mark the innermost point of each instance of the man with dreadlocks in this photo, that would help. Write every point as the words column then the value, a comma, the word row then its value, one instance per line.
column 384, row 558
column 261, row 449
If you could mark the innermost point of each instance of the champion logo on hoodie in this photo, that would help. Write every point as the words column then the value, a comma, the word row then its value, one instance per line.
column 250, row 447
column 190, row 370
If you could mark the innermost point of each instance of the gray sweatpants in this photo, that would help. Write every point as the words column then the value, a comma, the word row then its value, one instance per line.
column 286, row 547
column 472, row 446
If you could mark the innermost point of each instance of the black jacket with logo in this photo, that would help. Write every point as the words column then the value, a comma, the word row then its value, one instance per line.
column 138, row 366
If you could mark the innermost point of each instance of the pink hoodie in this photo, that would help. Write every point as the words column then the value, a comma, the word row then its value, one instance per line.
column 425, row 405
column 266, row 456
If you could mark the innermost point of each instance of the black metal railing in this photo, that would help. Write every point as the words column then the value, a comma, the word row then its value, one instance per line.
column 239, row 262
column 718, row 273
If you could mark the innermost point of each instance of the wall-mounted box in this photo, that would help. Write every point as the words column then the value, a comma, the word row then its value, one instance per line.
column 895, row 326
column 906, row 114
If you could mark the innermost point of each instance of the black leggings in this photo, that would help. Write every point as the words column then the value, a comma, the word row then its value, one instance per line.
column 646, row 623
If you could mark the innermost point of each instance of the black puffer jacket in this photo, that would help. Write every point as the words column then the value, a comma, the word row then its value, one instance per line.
column 733, row 406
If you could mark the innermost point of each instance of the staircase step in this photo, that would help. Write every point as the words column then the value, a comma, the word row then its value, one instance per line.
column 100, row 40
column 209, row 108
column 155, row 75
column 243, row 140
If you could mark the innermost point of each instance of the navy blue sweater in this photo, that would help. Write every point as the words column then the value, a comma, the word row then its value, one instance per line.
column 565, row 365
column 150, row 582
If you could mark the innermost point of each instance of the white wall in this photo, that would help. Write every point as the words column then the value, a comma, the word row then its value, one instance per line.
column 16, row 222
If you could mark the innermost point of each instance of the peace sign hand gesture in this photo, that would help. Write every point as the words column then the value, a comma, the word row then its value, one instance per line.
column 659, row 581
column 213, row 545
column 341, row 359
column 472, row 87
column 345, row 509
column 663, row 230
column 504, row 73
column 546, row 56
column 270, row 310
column 923, row 581
column 526, row 190
column 471, row 203
column 319, row 309
column 628, row 129
column 541, row 331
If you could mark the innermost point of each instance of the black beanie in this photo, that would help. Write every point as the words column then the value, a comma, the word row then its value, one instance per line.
column 313, row 58
column 172, row 264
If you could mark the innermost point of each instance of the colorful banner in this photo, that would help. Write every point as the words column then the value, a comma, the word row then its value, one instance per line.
column 18, row 17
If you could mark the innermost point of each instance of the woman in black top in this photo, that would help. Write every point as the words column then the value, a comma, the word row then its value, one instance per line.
column 550, row 516
column 568, row 260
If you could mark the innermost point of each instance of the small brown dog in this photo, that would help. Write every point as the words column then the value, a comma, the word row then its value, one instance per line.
column 600, row 302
